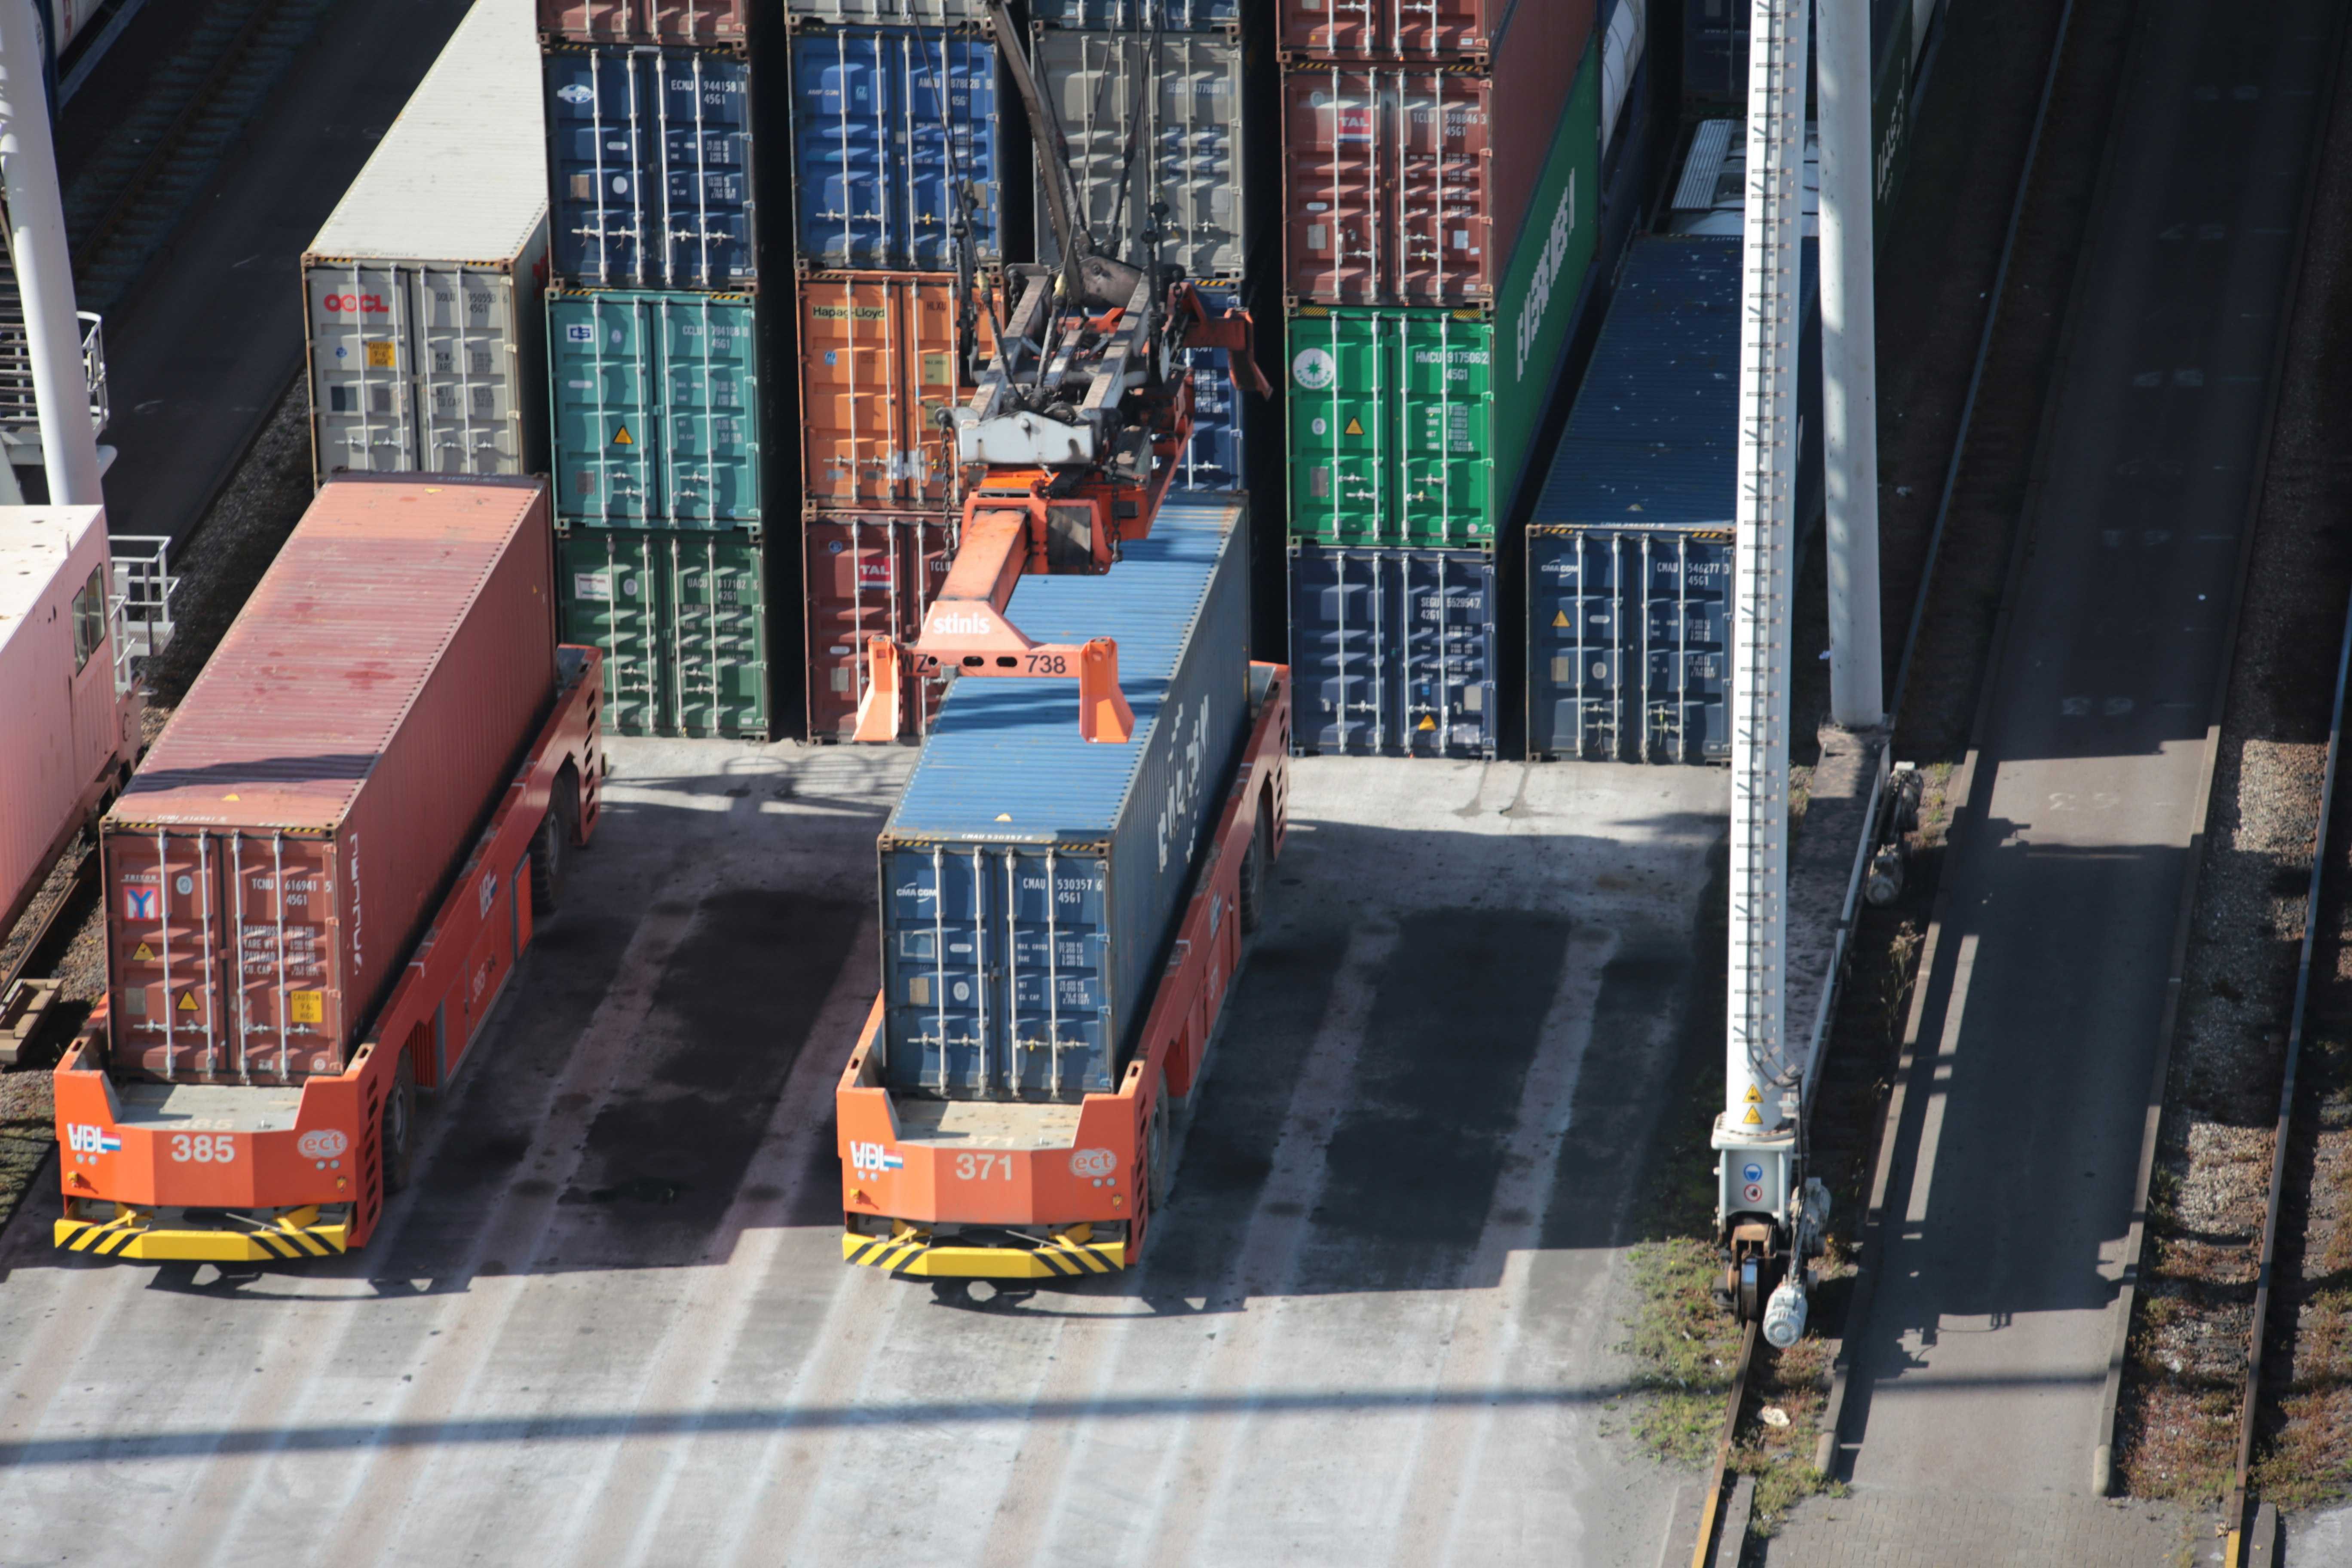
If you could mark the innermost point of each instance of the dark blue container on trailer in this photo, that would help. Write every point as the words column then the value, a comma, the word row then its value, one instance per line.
column 1630, row 549
column 1211, row 459
column 1032, row 880
column 891, row 127
column 650, row 168
column 1392, row 650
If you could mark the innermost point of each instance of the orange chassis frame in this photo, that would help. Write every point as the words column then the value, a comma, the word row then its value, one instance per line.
column 1084, row 1206
column 316, row 1188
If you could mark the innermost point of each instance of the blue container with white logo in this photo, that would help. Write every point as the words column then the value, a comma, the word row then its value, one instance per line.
column 1211, row 459
column 1032, row 881
column 896, row 141
column 1393, row 650
column 655, row 399
column 651, row 179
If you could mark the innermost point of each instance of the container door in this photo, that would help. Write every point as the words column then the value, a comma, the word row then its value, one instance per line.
column 601, row 138
column 468, row 343
column 710, row 447
column 937, row 965
column 361, row 348
column 609, row 594
column 1444, row 426
column 1056, row 992
column 1446, row 614
column 602, row 349
column 1687, row 648
column 841, row 138
column 947, row 149
column 1340, row 649
column 165, row 925
column 704, row 151
column 717, row 645
column 288, row 1013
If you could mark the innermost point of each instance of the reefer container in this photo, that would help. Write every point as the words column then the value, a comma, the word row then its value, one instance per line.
column 421, row 294
column 867, row 574
column 1139, row 15
column 693, row 21
column 683, row 621
column 882, row 356
column 1031, row 880
column 656, row 400
column 1193, row 157
column 1212, row 459
column 1409, row 183
column 69, row 731
column 1383, row 29
column 895, row 139
column 1410, row 426
column 652, row 167
column 270, row 868
column 1393, row 651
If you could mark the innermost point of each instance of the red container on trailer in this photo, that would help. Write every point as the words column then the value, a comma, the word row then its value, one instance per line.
column 869, row 575
column 646, row 21
column 269, row 869
column 1407, row 183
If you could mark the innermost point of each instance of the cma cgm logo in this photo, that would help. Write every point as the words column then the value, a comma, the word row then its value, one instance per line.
column 365, row 304
column 872, row 1157
column 84, row 1139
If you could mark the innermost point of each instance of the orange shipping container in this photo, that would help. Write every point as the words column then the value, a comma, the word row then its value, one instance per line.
column 869, row 575
column 882, row 356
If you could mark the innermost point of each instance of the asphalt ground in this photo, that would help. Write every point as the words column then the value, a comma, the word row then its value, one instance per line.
column 206, row 342
column 1982, row 1369
column 610, row 1322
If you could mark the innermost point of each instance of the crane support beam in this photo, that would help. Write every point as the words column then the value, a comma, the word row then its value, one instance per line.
column 1849, row 363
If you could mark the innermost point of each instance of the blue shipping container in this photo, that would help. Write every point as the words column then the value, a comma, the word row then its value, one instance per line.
column 885, row 157
column 1392, row 650
column 1032, row 880
column 1211, row 459
column 1138, row 16
column 650, row 168
column 655, row 403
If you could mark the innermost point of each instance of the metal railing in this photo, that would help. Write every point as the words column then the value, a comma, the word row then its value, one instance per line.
column 139, row 606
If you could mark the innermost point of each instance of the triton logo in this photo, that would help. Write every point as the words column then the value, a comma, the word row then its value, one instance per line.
column 956, row 623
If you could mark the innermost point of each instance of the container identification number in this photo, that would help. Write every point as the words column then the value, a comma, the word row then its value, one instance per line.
column 220, row 1150
column 983, row 1167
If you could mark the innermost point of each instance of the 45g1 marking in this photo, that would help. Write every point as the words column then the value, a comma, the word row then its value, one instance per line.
column 983, row 1167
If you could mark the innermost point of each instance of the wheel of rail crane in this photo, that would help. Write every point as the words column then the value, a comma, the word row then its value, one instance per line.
column 1252, row 896
column 397, row 1131
column 551, row 852
column 1158, row 1155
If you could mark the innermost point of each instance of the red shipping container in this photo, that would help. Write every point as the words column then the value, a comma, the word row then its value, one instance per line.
column 271, row 866
column 1387, row 29
column 646, row 21
column 869, row 575
column 1409, row 183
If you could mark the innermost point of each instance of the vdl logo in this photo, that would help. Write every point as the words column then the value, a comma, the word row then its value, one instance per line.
column 84, row 1139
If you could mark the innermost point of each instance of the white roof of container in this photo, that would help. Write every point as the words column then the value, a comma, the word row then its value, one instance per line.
column 462, row 175
column 34, row 542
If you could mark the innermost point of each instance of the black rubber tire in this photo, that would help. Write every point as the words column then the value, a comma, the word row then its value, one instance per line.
column 396, row 1129
column 1252, row 895
column 551, row 852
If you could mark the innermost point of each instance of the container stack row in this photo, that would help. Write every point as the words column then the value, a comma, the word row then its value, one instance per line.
column 1441, row 175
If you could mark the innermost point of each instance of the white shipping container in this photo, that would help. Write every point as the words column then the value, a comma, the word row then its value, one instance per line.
column 1189, row 153
column 68, row 728
column 421, row 295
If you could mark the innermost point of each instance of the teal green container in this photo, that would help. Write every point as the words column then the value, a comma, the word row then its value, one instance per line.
column 656, row 402
column 683, row 620
column 1410, row 425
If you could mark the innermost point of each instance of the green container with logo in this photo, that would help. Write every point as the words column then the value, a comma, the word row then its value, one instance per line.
column 1410, row 425
column 683, row 620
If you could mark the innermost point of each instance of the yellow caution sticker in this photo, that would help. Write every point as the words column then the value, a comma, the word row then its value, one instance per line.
column 1560, row 618
column 188, row 1001
column 306, row 1007
column 621, row 437
column 1355, row 427
column 143, row 954
column 383, row 356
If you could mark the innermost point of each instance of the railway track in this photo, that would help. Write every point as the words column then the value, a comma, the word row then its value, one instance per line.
column 130, row 195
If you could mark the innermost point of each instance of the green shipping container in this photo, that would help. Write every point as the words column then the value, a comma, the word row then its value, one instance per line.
column 1410, row 425
column 683, row 621
column 656, row 401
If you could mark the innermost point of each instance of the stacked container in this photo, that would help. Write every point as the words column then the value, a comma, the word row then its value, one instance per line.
column 663, row 184
column 900, row 155
column 1441, row 182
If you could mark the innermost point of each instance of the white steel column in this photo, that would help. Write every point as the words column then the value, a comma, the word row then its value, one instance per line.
column 28, row 165
column 1850, row 364
column 1758, row 1092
